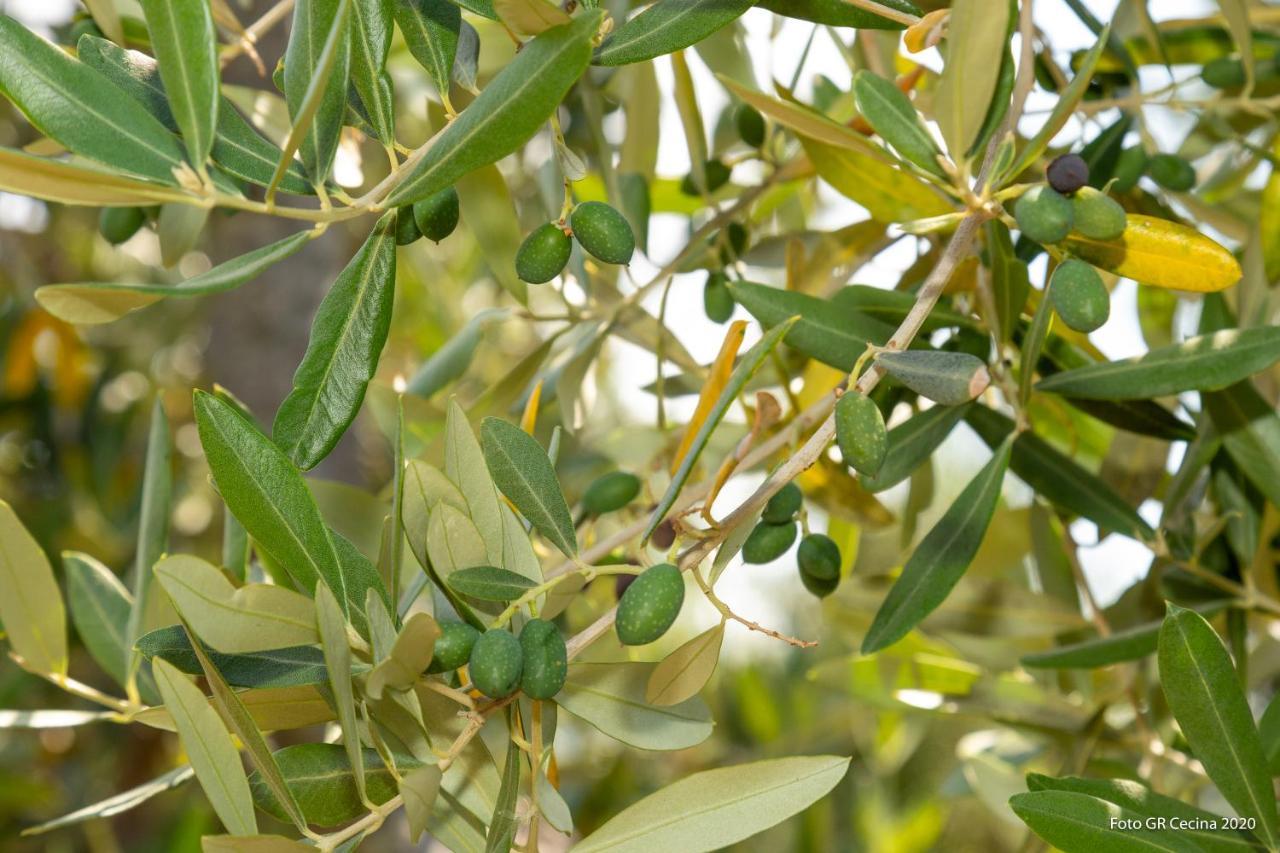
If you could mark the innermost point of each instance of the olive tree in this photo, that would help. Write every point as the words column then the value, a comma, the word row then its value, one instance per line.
column 427, row 658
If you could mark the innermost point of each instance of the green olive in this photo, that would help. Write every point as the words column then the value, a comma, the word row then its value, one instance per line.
column 453, row 646
column 1044, row 214
column 750, row 125
column 543, row 254
column 437, row 215
column 1079, row 296
column 603, row 232
column 610, row 492
column 118, row 224
column 546, row 662
column 784, row 505
column 768, row 542
column 496, row 663
column 650, row 605
column 1098, row 216
column 819, row 556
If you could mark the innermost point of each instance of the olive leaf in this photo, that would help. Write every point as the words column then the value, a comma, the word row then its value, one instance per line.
column 337, row 658
column 316, row 68
column 611, row 697
column 1076, row 823
column 371, row 31
column 665, row 27
column 508, row 112
column 118, row 803
column 153, row 525
column 684, row 672
column 949, row 378
column 430, row 29
column 720, row 806
column 293, row 666
column 77, row 183
column 1128, row 644
column 1161, row 253
column 942, row 557
column 100, row 606
column 1204, row 694
column 418, row 789
column 912, row 442
column 347, row 337
column 186, row 48
column 975, row 33
column 1250, row 433
column 319, row 777
column 522, row 470
column 489, row 583
column 888, row 192
column 210, row 750
column 31, row 608
column 407, row 658
column 841, row 13
column 890, row 112
column 504, row 822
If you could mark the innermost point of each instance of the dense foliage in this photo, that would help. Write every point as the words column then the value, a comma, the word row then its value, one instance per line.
column 534, row 584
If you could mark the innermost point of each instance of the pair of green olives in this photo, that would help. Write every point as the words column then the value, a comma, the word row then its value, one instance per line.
column 600, row 229
column 776, row 532
column 435, row 217
column 500, row 663
column 1047, row 216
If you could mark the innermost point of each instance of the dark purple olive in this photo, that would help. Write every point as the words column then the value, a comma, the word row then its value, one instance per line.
column 1068, row 173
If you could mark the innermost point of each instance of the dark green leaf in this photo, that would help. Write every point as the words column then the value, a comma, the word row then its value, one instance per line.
column 1057, row 478
column 320, row 778
column 1250, row 433
column 342, row 355
column 522, row 470
column 489, row 583
column 1117, row 647
column 892, row 307
column 1010, row 283
column 1078, row 823
column 291, row 667
column 824, row 331
column 667, row 26
column 1206, row 363
column 913, row 441
column 430, row 29
column 337, row 659
column 891, row 114
column 371, row 30
column 316, row 68
column 504, row 822
column 941, row 558
column 508, row 112
column 1206, row 699
column 265, row 491
column 186, row 48
column 840, row 13
column 75, row 105
column 1269, row 732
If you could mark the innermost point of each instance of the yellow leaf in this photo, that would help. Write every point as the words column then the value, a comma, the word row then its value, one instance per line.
column 90, row 306
column 888, row 193
column 926, row 32
column 718, row 378
column 274, row 709
column 72, row 183
column 529, row 419
column 529, row 17
column 35, row 620
column 1160, row 253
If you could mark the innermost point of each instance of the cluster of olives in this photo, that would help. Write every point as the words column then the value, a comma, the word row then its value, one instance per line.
column 599, row 229
column 818, row 556
column 435, row 217
column 500, row 663
column 1047, row 213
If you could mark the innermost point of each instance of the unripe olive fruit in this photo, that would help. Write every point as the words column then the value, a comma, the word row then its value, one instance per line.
column 1130, row 166
column 496, row 663
column 1097, row 215
column 750, row 125
column 1079, row 296
column 819, row 555
column 453, row 646
column 1068, row 173
column 610, row 492
column 650, row 605
column 820, row 587
column 784, row 505
column 118, row 224
column 717, row 175
column 1225, row 72
column 717, row 301
column 406, row 229
column 1172, row 172
column 860, row 433
column 603, row 232
column 437, row 215
column 1043, row 214
column 733, row 242
column 543, row 254
column 768, row 542
column 546, row 662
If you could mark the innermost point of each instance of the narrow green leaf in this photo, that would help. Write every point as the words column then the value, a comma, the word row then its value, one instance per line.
column 293, row 666
column 891, row 114
column 975, row 34
column 504, row 821
column 451, row 360
column 889, row 193
column 319, row 777
column 465, row 466
column 347, row 336
column 237, row 717
column 1078, row 823
column 316, row 67
column 831, row 333
column 1068, row 100
column 186, row 48
column 717, row 808
column 104, row 302
column 75, row 105
column 747, row 365
column 913, row 441
column 508, row 112
column 118, row 803
column 522, row 470
column 489, row 583
column 1269, row 732
column 1206, row 699
column 1010, row 282
column 371, row 30
column 153, row 524
column 251, row 618
column 667, row 26
column 1058, row 479
column 1250, row 431
column 1206, row 363
column 949, row 378
column 210, row 750
column 35, row 620
column 238, row 149
column 430, row 29
column 100, row 607
column 1138, row 798
column 266, row 492
column 337, row 658
column 941, row 558
column 1118, row 647
column 841, row 13
column 418, row 789
column 610, row 696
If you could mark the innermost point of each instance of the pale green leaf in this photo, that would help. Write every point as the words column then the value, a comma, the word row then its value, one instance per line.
column 337, row 657
column 35, row 620
column 975, row 34
column 610, row 696
column 684, row 672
